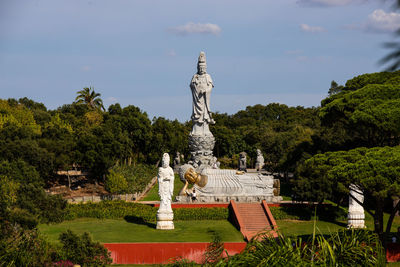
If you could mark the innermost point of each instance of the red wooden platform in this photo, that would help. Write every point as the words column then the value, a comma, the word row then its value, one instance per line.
column 161, row 253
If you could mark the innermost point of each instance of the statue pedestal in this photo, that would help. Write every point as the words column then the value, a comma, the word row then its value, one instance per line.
column 355, row 220
column 201, row 148
column 165, row 220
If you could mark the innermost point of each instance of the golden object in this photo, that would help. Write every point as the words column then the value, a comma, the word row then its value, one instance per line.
column 195, row 178
column 189, row 176
column 239, row 172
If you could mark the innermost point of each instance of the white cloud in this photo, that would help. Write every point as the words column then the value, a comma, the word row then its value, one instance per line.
column 85, row 68
column 313, row 29
column 328, row 3
column 192, row 28
column 381, row 22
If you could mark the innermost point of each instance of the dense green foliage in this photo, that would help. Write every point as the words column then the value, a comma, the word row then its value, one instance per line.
column 361, row 123
column 343, row 248
column 376, row 171
column 139, row 212
column 83, row 251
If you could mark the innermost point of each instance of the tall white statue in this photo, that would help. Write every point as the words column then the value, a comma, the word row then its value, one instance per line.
column 165, row 177
column 259, row 160
column 355, row 217
column 201, row 140
column 201, row 86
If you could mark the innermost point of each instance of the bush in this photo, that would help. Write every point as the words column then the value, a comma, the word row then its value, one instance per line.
column 22, row 217
column 116, row 183
column 48, row 208
column 20, row 247
column 82, row 250
column 122, row 209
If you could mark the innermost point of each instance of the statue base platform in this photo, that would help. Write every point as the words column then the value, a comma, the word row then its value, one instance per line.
column 201, row 147
column 165, row 221
column 226, row 185
column 226, row 199
column 355, row 220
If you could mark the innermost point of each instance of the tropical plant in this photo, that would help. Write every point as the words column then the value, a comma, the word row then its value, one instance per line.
column 89, row 97
column 82, row 250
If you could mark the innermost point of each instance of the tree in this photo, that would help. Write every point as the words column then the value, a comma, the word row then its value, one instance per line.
column 366, row 112
column 335, row 88
column 89, row 97
column 375, row 170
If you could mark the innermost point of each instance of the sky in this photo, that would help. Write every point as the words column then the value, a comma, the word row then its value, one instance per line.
column 144, row 52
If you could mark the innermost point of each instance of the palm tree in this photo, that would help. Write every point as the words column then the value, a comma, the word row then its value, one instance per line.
column 89, row 97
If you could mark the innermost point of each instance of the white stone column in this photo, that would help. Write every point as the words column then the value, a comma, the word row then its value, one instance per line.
column 355, row 217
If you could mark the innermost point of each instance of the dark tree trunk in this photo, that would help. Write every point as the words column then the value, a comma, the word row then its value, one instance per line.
column 390, row 221
column 378, row 220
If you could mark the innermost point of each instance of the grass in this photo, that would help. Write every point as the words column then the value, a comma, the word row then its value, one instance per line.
column 112, row 231
column 297, row 227
column 152, row 195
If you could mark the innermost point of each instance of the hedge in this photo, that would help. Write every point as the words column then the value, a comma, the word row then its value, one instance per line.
column 137, row 211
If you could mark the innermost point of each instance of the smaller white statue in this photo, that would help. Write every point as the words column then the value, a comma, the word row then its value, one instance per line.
column 355, row 217
column 165, row 177
column 259, row 160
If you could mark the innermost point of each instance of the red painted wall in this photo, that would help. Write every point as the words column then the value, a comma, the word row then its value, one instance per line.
column 211, row 205
column 158, row 253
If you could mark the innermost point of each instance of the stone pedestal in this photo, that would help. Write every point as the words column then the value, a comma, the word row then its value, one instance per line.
column 165, row 220
column 355, row 220
column 201, row 148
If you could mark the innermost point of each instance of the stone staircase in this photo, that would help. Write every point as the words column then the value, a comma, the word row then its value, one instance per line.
column 254, row 218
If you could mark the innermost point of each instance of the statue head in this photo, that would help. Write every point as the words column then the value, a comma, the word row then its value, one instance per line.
column 201, row 64
column 258, row 152
column 187, row 173
column 165, row 160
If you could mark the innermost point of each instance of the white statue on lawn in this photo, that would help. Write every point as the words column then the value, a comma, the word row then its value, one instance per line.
column 165, row 177
column 355, row 217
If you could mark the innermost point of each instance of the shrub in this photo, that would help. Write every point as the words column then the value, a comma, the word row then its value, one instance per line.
column 122, row 209
column 82, row 250
column 20, row 247
column 48, row 208
column 25, row 219
column 116, row 183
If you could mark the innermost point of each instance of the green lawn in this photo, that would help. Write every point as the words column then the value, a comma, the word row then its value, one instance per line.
column 112, row 231
column 152, row 195
column 296, row 227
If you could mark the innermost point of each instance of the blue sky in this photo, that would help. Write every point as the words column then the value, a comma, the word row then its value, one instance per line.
column 144, row 52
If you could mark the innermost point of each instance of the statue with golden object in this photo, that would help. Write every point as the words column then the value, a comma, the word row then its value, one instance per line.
column 221, row 185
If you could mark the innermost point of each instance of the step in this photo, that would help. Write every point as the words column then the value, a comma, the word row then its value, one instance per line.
column 253, row 218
